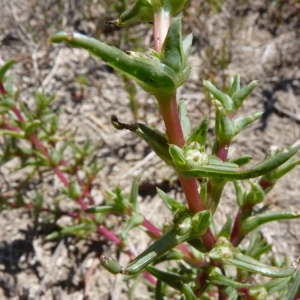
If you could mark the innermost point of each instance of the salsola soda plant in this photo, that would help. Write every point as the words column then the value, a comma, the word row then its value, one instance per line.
column 200, row 262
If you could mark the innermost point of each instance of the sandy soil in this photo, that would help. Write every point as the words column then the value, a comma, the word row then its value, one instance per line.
column 258, row 39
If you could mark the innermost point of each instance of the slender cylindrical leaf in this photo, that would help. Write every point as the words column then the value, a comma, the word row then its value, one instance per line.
column 255, row 195
column 173, row 205
column 241, row 123
column 215, row 277
column 231, row 171
column 235, row 85
column 153, row 76
column 227, row 228
column 200, row 132
column 253, row 222
column 171, row 279
column 294, row 288
column 110, row 264
column 5, row 68
column 103, row 209
column 200, row 223
column 156, row 140
column 134, row 194
column 242, row 160
column 140, row 11
column 247, row 263
column 188, row 292
column 133, row 221
column 243, row 93
column 223, row 98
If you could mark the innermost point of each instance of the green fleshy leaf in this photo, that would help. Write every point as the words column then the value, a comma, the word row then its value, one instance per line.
column 171, row 52
column 258, row 292
column 140, row 11
column 255, row 195
column 103, row 209
column 188, row 292
column 9, row 86
column 156, row 140
column 294, row 288
column 110, row 264
column 255, row 221
column 247, row 263
column 134, row 194
column 5, row 68
column 215, row 277
column 200, row 222
column 282, row 170
column 12, row 133
column 159, row 295
column 184, row 120
column 240, row 192
column 133, row 221
column 153, row 76
column 81, row 229
column 227, row 228
column 223, row 98
column 242, row 160
column 226, row 127
column 241, row 123
column 177, row 156
column 258, row 245
column 173, row 205
column 217, row 168
column 276, row 285
column 173, row 254
column 203, row 192
column 200, row 132
column 171, row 279
column 186, row 46
column 235, row 85
column 243, row 93
column 74, row 190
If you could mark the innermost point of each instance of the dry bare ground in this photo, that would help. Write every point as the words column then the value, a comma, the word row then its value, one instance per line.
column 258, row 39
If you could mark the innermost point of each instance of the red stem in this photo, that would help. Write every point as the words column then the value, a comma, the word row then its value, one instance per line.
column 235, row 229
column 149, row 277
column 151, row 228
column 171, row 119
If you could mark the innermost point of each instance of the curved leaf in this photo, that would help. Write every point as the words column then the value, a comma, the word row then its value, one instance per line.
column 216, row 168
column 153, row 76
column 253, row 222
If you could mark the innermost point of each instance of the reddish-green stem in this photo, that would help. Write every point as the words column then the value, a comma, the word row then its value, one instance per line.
column 171, row 119
column 235, row 229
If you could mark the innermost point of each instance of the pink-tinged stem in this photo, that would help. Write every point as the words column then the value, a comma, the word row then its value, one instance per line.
column 36, row 142
column 222, row 151
column 202, row 283
column 189, row 185
column 149, row 277
column 9, row 127
column 2, row 89
column 235, row 229
column 151, row 228
column 110, row 236
column 169, row 111
column 162, row 21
